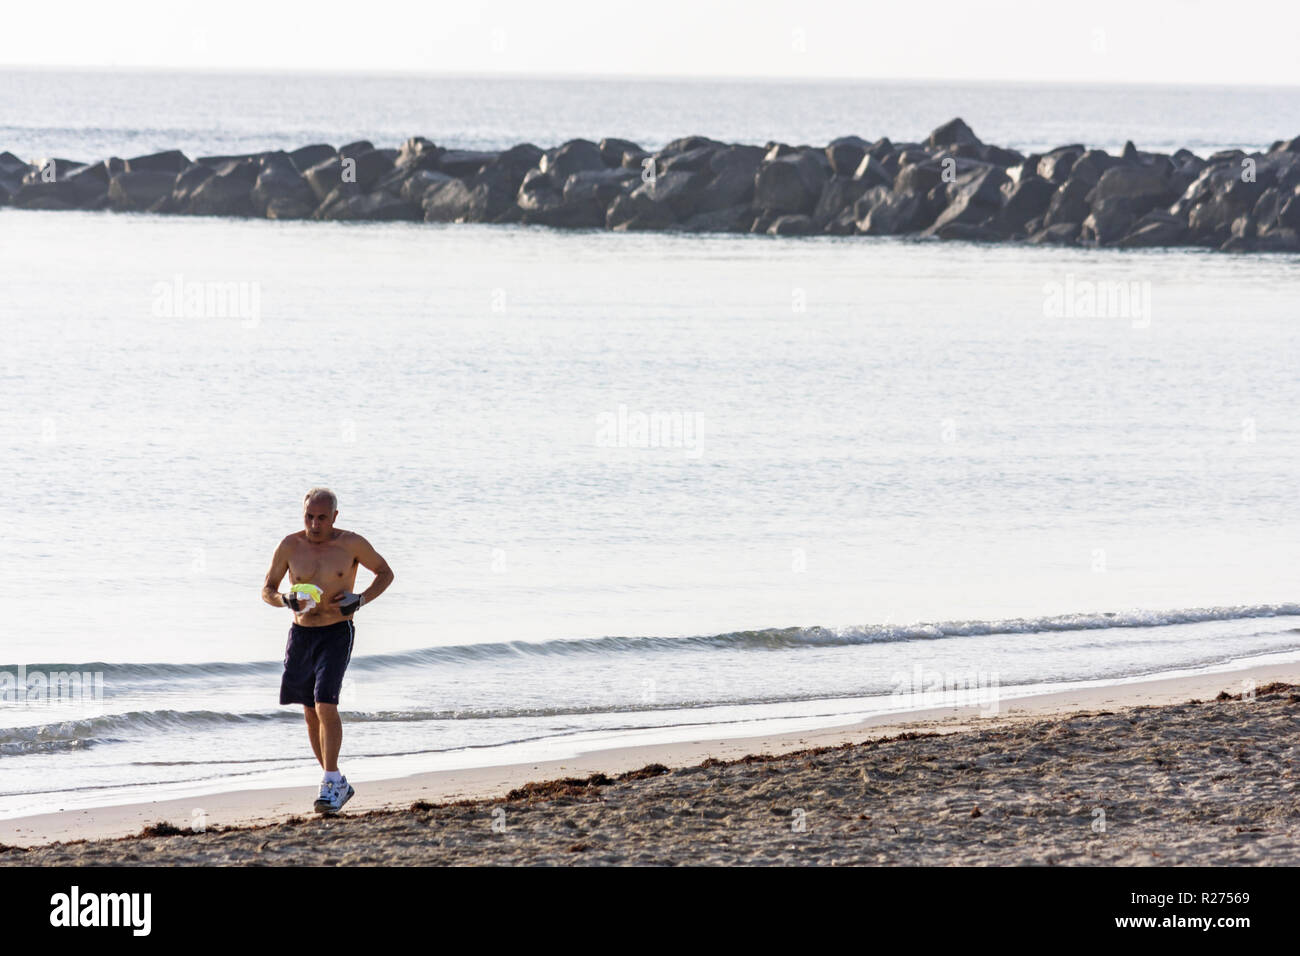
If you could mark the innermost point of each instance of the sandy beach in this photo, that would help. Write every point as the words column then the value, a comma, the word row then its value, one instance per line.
column 1182, row 771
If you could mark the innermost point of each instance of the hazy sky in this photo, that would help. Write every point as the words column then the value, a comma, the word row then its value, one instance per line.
column 1175, row 41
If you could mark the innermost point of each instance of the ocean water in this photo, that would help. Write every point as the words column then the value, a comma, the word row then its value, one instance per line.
column 90, row 115
column 633, row 487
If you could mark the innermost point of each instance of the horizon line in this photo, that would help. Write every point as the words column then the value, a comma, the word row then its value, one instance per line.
column 610, row 76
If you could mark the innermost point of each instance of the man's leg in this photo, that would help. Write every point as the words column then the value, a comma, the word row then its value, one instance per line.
column 313, row 731
column 331, row 735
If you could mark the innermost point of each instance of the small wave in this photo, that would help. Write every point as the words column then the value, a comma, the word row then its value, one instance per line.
column 62, row 735
column 758, row 639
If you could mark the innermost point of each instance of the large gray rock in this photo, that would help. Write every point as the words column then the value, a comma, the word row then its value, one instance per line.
column 1109, row 221
column 12, row 166
column 601, row 184
column 1055, row 166
column 383, row 207
column 538, row 189
column 747, row 158
column 370, row 166
column 845, row 154
column 1145, row 188
column 279, row 179
column 52, row 195
column 686, row 144
column 891, row 213
column 172, row 161
column 901, row 156
column 872, row 172
column 516, row 161
column 612, row 150
column 919, row 178
column 541, row 202
column 691, row 161
column 89, row 182
column 353, row 150
column 244, row 168
column 419, row 153
column 52, row 169
column 326, row 176
column 999, row 156
column 306, row 157
column 1288, row 214
column 973, row 199
column 1090, row 167
column 413, row 187
column 1069, row 203
column 225, row 194
column 575, row 156
column 636, row 212
column 1211, row 221
column 838, row 197
column 1267, row 207
column 731, row 179
column 1278, row 239
column 637, row 159
column 953, row 133
column 1027, row 199
column 1163, row 231
column 446, row 201
column 1186, row 161
column 492, row 197
column 789, row 184
column 377, row 207
column 183, row 189
column 981, row 182
column 466, row 163
column 677, row 191
column 137, row 191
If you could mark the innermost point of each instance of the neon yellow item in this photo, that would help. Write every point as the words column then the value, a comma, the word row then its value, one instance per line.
column 310, row 590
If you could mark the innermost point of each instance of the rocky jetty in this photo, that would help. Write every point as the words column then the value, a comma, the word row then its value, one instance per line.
column 952, row 186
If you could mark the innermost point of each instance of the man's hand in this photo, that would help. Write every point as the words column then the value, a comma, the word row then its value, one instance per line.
column 348, row 602
column 292, row 601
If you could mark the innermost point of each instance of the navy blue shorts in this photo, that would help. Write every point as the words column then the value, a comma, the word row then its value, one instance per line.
column 314, row 661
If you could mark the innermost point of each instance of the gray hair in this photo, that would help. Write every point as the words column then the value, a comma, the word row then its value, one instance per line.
column 322, row 493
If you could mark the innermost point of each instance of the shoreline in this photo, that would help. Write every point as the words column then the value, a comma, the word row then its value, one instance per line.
column 274, row 806
column 951, row 186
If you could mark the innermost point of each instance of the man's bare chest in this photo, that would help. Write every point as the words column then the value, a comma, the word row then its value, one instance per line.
column 322, row 565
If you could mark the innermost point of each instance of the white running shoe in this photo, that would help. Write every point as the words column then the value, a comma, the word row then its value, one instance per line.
column 333, row 794
column 326, row 798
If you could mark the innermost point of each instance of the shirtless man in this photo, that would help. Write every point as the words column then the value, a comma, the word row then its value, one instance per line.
column 320, row 638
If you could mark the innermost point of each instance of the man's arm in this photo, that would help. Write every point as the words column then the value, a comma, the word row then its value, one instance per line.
column 274, row 575
column 369, row 559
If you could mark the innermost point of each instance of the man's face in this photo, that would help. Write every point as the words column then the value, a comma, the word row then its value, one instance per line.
column 318, row 519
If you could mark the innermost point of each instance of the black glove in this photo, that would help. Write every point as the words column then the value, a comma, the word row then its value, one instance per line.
column 349, row 607
column 291, row 601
